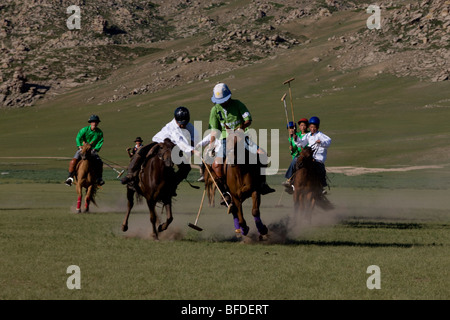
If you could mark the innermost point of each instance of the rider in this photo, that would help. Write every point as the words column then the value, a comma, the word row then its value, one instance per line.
column 228, row 114
column 173, row 130
column 319, row 142
column 295, row 151
column 132, row 151
column 93, row 135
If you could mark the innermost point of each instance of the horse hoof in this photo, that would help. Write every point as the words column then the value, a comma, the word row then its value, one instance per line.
column 155, row 237
column 161, row 228
column 263, row 237
column 245, row 230
column 78, row 211
column 124, row 228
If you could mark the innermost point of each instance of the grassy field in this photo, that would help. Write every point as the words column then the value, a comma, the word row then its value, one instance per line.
column 405, row 231
column 398, row 221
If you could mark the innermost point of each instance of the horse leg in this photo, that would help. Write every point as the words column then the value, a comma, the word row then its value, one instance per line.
column 165, row 225
column 151, row 206
column 130, row 204
column 241, row 219
column 262, row 228
column 87, row 199
column 80, row 195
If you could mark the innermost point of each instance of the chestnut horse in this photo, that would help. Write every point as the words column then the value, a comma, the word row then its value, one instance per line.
column 307, row 186
column 155, row 184
column 244, row 180
column 85, row 178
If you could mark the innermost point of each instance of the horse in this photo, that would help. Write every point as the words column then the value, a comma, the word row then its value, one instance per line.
column 85, row 178
column 210, row 186
column 307, row 186
column 155, row 184
column 243, row 181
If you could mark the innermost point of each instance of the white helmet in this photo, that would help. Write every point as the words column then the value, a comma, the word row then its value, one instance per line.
column 221, row 93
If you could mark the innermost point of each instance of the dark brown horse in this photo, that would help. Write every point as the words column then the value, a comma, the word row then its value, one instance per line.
column 85, row 178
column 307, row 186
column 155, row 185
column 244, row 181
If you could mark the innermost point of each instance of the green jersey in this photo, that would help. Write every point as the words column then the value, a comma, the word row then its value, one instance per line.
column 235, row 114
column 95, row 138
column 295, row 152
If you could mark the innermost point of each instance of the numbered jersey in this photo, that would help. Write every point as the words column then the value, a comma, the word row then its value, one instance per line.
column 235, row 114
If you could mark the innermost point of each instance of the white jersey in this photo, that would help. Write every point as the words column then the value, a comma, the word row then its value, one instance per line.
column 183, row 138
column 320, row 149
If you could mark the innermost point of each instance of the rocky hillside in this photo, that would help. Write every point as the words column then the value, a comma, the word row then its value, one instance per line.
column 40, row 55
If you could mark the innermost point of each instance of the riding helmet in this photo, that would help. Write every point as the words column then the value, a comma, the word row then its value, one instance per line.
column 292, row 125
column 314, row 120
column 138, row 139
column 303, row 120
column 182, row 115
column 221, row 93
column 94, row 118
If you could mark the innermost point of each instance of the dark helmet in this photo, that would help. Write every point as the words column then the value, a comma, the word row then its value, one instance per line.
column 94, row 118
column 314, row 120
column 292, row 125
column 182, row 115
column 304, row 120
column 138, row 139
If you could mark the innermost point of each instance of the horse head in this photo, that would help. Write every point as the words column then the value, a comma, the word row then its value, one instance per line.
column 165, row 152
column 305, row 157
column 86, row 151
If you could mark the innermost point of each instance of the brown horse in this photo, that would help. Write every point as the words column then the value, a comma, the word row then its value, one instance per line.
column 155, row 184
column 210, row 186
column 307, row 186
column 85, row 178
column 244, row 181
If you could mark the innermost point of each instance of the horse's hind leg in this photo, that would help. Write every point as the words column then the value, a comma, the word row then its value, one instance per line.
column 165, row 225
column 130, row 204
column 262, row 228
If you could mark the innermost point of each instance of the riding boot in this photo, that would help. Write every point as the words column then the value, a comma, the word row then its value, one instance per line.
column 133, row 169
column 225, row 191
column 72, row 168
column 180, row 175
column 265, row 189
column 99, row 172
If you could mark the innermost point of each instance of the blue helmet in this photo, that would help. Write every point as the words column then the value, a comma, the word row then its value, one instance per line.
column 292, row 125
column 314, row 120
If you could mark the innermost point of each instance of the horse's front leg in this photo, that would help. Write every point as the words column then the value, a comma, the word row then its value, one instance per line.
column 80, row 195
column 151, row 206
column 130, row 204
column 239, row 218
column 87, row 198
column 165, row 225
column 262, row 228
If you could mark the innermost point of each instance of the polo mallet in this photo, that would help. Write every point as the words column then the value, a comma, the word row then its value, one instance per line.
column 283, row 98
column 290, row 95
column 194, row 226
column 215, row 183
column 105, row 161
column 119, row 172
